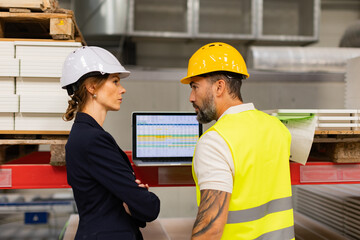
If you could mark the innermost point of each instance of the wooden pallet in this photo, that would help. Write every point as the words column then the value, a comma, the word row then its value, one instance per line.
column 16, row 144
column 336, row 146
column 40, row 25
column 30, row 5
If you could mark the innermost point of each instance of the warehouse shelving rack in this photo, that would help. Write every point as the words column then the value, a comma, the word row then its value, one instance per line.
column 244, row 20
column 35, row 171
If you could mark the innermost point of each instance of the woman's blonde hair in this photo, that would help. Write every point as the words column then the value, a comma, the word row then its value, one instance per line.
column 78, row 99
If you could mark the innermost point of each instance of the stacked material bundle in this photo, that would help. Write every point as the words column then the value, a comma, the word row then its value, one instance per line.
column 42, row 101
column 337, row 206
column 31, row 96
column 326, row 119
column 9, row 102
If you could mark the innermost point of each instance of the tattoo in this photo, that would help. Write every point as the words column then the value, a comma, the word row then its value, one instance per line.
column 212, row 205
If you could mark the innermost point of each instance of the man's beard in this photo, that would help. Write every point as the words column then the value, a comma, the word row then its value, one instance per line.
column 207, row 112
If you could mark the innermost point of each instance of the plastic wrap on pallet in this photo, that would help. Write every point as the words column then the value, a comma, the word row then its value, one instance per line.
column 300, row 59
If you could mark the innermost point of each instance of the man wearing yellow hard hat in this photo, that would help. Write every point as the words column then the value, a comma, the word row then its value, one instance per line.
column 241, row 163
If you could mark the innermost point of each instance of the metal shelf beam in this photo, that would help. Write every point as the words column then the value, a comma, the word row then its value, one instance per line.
column 29, row 174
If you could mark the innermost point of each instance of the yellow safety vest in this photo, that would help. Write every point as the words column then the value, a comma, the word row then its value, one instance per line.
column 260, row 204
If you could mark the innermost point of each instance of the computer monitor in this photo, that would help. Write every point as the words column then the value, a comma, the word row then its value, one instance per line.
column 164, row 138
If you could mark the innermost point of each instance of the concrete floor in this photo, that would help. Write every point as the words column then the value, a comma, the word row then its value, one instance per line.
column 12, row 227
column 160, row 229
column 180, row 229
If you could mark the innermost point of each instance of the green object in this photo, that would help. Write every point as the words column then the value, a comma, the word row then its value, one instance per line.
column 286, row 118
column 61, row 236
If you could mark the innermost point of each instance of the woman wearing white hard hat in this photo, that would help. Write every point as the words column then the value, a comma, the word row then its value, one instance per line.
column 111, row 202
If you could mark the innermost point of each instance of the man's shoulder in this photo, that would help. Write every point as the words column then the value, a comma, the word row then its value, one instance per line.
column 210, row 141
column 210, row 135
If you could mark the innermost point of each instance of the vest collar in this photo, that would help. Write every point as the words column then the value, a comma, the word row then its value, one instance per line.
column 239, row 108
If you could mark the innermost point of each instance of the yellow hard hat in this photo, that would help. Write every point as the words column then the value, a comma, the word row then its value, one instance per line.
column 214, row 57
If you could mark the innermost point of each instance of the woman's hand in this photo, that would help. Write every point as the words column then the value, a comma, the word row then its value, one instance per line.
column 141, row 184
column 127, row 208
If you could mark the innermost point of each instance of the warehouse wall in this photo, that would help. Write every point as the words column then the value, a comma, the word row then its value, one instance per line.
column 336, row 15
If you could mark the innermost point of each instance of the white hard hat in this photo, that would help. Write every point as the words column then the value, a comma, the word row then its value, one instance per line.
column 85, row 60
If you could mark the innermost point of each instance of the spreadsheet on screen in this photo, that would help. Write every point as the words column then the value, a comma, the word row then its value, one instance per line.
column 165, row 136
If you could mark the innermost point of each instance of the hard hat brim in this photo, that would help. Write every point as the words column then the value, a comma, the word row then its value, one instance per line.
column 187, row 79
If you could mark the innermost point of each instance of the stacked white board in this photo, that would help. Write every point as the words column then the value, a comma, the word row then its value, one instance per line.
column 326, row 119
column 31, row 95
column 9, row 64
column 9, row 69
column 337, row 206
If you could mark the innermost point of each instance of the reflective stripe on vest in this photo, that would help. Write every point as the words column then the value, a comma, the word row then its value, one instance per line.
column 285, row 233
column 252, row 214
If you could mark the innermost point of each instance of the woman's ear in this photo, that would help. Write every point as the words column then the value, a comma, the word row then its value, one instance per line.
column 90, row 87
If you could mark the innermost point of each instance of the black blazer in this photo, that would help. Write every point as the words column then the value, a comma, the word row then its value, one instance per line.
column 102, row 179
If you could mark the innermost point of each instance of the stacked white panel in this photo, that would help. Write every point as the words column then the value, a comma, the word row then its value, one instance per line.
column 7, row 49
column 6, row 121
column 7, row 85
column 9, row 67
column 43, row 103
column 39, row 85
column 346, row 119
column 41, row 50
column 40, row 68
column 43, row 59
column 41, row 121
column 336, row 206
column 41, row 95
column 9, row 103
column 326, row 119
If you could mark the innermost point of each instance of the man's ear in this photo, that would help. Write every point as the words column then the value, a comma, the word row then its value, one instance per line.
column 220, row 87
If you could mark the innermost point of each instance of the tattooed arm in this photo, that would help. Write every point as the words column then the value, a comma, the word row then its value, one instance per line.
column 212, row 214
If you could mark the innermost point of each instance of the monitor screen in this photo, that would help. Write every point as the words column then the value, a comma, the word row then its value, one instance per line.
column 165, row 136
